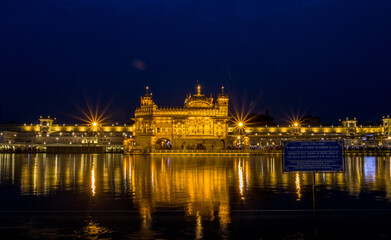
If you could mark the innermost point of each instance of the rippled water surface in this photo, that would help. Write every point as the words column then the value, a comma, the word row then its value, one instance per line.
column 194, row 197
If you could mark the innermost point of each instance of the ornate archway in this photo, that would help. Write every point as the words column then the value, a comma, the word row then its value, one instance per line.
column 129, row 145
column 163, row 143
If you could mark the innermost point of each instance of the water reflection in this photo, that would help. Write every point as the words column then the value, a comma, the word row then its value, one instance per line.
column 198, row 234
column 298, row 187
column 206, row 188
column 92, row 230
column 93, row 182
column 200, row 186
column 180, row 181
column 240, row 174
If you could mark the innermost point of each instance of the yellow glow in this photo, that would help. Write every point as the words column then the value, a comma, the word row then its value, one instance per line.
column 201, row 192
column 240, row 124
column 199, row 234
column 298, row 187
column 93, row 116
column 296, row 124
column 181, row 183
column 93, row 182
column 241, row 181
column 93, row 230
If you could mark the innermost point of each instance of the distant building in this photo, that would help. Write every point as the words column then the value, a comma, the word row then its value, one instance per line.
column 348, row 130
column 47, row 132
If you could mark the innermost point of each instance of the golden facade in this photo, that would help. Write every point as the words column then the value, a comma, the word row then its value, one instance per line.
column 48, row 132
column 200, row 124
column 349, row 130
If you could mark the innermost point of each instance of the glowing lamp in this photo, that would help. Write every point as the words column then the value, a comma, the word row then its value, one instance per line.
column 240, row 124
column 296, row 124
column 94, row 124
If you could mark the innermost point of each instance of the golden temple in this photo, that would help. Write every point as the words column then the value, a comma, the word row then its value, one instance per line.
column 200, row 124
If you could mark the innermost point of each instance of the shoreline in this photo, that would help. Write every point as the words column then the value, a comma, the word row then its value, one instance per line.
column 101, row 149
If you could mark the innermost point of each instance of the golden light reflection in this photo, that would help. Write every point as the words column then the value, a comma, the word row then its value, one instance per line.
column 200, row 186
column 241, row 181
column 92, row 231
column 179, row 180
column 224, row 216
column 298, row 187
column 13, row 169
column 7, row 168
column 35, row 174
column 199, row 234
column 93, row 187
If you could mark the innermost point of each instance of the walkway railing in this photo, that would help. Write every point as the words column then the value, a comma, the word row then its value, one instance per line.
column 367, row 152
column 348, row 152
column 217, row 152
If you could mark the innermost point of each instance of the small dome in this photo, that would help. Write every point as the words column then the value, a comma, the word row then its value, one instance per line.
column 198, row 100
column 222, row 94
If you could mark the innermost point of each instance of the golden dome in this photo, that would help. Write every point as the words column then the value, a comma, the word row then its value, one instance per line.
column 198, row 100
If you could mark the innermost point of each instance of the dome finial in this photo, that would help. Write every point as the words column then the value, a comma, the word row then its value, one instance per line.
column 198, row 89
column 146, row 89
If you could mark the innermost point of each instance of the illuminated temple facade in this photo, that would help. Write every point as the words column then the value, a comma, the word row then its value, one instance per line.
column 201, row 123
column 172, row 128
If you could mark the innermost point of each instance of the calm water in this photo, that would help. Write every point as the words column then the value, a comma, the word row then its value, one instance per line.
column 190, row 197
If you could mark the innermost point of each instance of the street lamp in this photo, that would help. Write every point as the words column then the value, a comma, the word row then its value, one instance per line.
column 94, row 129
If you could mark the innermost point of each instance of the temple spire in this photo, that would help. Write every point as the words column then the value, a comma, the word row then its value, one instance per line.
column 146, row 89
column 198, row 89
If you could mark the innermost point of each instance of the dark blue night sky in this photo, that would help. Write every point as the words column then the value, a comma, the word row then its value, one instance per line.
column 330, row 58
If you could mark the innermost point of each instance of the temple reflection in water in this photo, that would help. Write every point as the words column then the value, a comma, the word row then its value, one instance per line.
column 203, row 187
